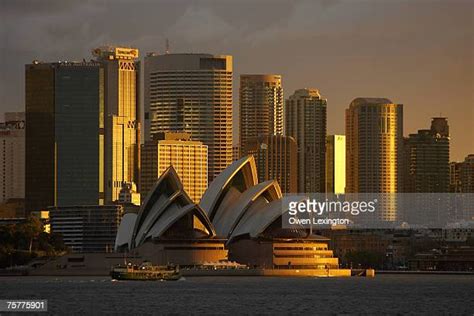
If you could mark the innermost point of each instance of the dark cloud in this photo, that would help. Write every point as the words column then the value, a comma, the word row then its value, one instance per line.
column 34, row 7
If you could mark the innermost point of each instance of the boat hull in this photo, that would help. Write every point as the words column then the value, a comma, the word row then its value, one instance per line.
column 145, row 275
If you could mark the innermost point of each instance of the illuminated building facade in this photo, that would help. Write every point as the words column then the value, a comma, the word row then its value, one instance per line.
column 192, row 93
column 276, row 159
column 12, row 157
column 261, row 106
column 305, row 121
column 374, row 135
column 336, row 164
column 122, row 117
column 188, row 158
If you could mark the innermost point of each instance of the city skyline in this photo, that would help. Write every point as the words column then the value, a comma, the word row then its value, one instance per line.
column 428, row 69
column 246, row 149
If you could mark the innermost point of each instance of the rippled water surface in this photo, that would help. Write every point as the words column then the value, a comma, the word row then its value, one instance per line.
column 394, row 294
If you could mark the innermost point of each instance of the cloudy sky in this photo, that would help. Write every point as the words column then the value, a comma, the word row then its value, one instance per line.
column 415, row 52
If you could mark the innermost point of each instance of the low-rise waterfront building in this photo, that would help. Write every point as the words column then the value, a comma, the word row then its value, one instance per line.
column 90, row 228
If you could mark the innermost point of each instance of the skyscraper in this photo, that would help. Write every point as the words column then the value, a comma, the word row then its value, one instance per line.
column 192, row 93
column 188, row 158
column 374, row 133
column 305, row 121
column 39, row 140
column 428, row 154
column 12, row 157
column 336, row 164
column 81, row 145
column 64, row 140
column 122, row 118
column 455, row 177
column 276, row 159
column 261, row 106
column 467, row 174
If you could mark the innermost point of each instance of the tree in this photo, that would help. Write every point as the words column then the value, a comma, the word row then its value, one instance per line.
column 30, row 230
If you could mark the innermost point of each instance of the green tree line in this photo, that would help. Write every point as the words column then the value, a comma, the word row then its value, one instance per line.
column 23, row 242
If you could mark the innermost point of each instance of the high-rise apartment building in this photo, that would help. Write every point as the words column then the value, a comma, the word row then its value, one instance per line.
column 12, row 157
column 305, row 121
column 192, row 93
column 374, row 135
column 261, row 106
column 39, row 140
column 336, row 164
column 188, row 158
column 428, row 154
column 276, row 159
column 122, row 118
column 64, row 140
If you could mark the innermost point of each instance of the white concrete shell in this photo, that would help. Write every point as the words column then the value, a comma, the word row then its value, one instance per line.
column 168, row 184
column 177, row 200
column 226, row 219
column 166, row 204
column 239, row 176
column 125, row 231
column 259, row 217
column 173, row 214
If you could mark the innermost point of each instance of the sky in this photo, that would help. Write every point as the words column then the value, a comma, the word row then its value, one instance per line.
column 419, row 53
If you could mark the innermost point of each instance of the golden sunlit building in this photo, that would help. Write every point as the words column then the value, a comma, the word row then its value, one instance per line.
column 261, row 106
column 188, row 158
column 122, row 119
column 374, row 135
column 192, row 93
column 336, row 164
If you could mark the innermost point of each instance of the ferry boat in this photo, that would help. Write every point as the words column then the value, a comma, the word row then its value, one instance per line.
column 145, row 272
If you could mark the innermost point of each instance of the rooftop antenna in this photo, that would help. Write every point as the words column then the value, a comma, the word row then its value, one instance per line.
column 167, row 46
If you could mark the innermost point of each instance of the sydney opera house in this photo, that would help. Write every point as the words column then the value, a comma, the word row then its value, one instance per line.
column 237, row 219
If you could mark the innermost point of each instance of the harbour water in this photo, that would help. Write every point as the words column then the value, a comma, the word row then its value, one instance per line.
column 384, row 294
